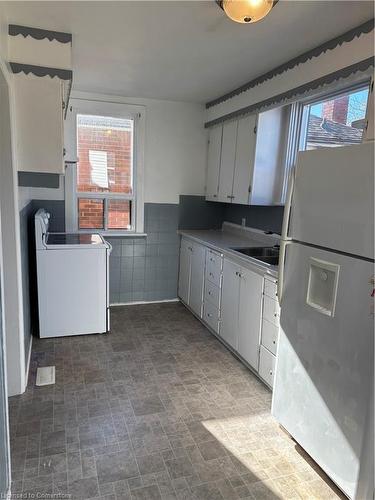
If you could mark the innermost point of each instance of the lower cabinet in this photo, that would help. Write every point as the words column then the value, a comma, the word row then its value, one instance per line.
column 185, row 268
column 270, row 331
column 267, row 363
column 249, row 316
column 198, row 256
column 191, row 276
column 241, row 309
column 238, row 304
column 230, row 296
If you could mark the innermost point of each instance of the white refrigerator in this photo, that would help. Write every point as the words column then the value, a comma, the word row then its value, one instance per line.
column 324, row 372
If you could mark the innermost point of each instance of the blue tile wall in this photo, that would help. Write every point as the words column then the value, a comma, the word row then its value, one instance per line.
column 197, row 213
column 57, row 210
column 260, row 217
column 146, row 268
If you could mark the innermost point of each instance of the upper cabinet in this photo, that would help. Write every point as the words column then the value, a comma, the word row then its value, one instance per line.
column 244, row 165
column 213, row 163
column 41, row 62
column 228, row 158
column 246, row 159
column 38, row 119
column 268, row 175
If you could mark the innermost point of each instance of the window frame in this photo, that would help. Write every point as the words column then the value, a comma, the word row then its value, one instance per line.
column 105, row 106
column 324, row 96
column 298, row 122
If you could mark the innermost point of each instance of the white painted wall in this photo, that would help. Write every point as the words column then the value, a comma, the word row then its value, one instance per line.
column 175, row 152
column 175, row 147
column 328, row 62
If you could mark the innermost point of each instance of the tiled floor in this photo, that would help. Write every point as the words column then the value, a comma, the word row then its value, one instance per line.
column 158, row 409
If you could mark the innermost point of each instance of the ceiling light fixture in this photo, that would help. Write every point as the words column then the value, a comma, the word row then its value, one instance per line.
column 247, row 11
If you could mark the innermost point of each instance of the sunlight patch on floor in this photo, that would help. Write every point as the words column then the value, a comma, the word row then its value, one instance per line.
column 267, row 453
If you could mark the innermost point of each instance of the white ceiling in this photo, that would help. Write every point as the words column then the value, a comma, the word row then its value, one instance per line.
column 183, row 50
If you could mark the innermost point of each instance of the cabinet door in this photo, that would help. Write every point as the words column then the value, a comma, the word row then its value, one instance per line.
column 269, row 167
column 213, row 163
column 198, row 258
column 38, row 119
column 244, row 164
column 184, row 274
column 230, row 303
column 228, row 155
column 249, row 316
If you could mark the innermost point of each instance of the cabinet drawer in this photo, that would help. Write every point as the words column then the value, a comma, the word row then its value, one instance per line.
column 213, row 274
column 212, row 294
column 267, row 366
column 271, row 310
column 211, row 316
column 270, row 288
column 270, row 334
column 214, row 260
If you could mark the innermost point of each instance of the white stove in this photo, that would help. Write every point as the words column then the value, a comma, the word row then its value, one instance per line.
column 73, row 279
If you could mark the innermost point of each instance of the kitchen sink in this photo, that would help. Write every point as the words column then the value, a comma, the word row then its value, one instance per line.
column 269, row 255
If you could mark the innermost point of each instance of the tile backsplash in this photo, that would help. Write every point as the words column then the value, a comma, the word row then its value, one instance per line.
column 146, row 268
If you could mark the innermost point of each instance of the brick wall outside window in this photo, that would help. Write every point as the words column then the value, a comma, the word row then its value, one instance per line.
column 104, row 147
column 90, row 213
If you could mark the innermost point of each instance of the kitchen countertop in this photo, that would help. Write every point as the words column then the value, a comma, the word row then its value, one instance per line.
column 232, row 235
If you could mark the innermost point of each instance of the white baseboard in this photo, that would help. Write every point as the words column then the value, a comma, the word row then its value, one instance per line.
column 144, row 302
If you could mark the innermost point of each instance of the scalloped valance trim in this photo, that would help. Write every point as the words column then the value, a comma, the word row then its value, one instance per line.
column 39, row 34
column 63, row 74
column 317, row 51
column 295, row 92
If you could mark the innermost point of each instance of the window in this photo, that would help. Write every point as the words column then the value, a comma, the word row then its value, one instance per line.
column 334, row 121
column 103, row 187
column 104, row 172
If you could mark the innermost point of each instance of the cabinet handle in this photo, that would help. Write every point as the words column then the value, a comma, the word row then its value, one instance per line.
column 209, row 315
column 209, row 293
column 271, row 372
column 274, row 341
column 214, row 195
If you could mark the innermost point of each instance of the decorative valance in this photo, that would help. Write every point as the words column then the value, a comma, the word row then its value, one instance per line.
column 39, row 34
column 63, row 74
column 366, row 27
column 346, row 72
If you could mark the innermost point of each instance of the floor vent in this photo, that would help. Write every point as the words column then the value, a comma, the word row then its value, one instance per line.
column 45, row 375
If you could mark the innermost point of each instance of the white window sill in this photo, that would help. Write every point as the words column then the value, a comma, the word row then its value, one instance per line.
column 122, row 235
column 115, row 234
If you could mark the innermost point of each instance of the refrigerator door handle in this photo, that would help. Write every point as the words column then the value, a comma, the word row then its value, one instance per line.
column 280, row 278
column 288, row 205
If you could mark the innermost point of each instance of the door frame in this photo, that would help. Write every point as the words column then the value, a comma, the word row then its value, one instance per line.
column 4, row 372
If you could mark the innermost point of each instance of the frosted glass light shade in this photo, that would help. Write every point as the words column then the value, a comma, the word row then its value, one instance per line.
column 247, row 11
